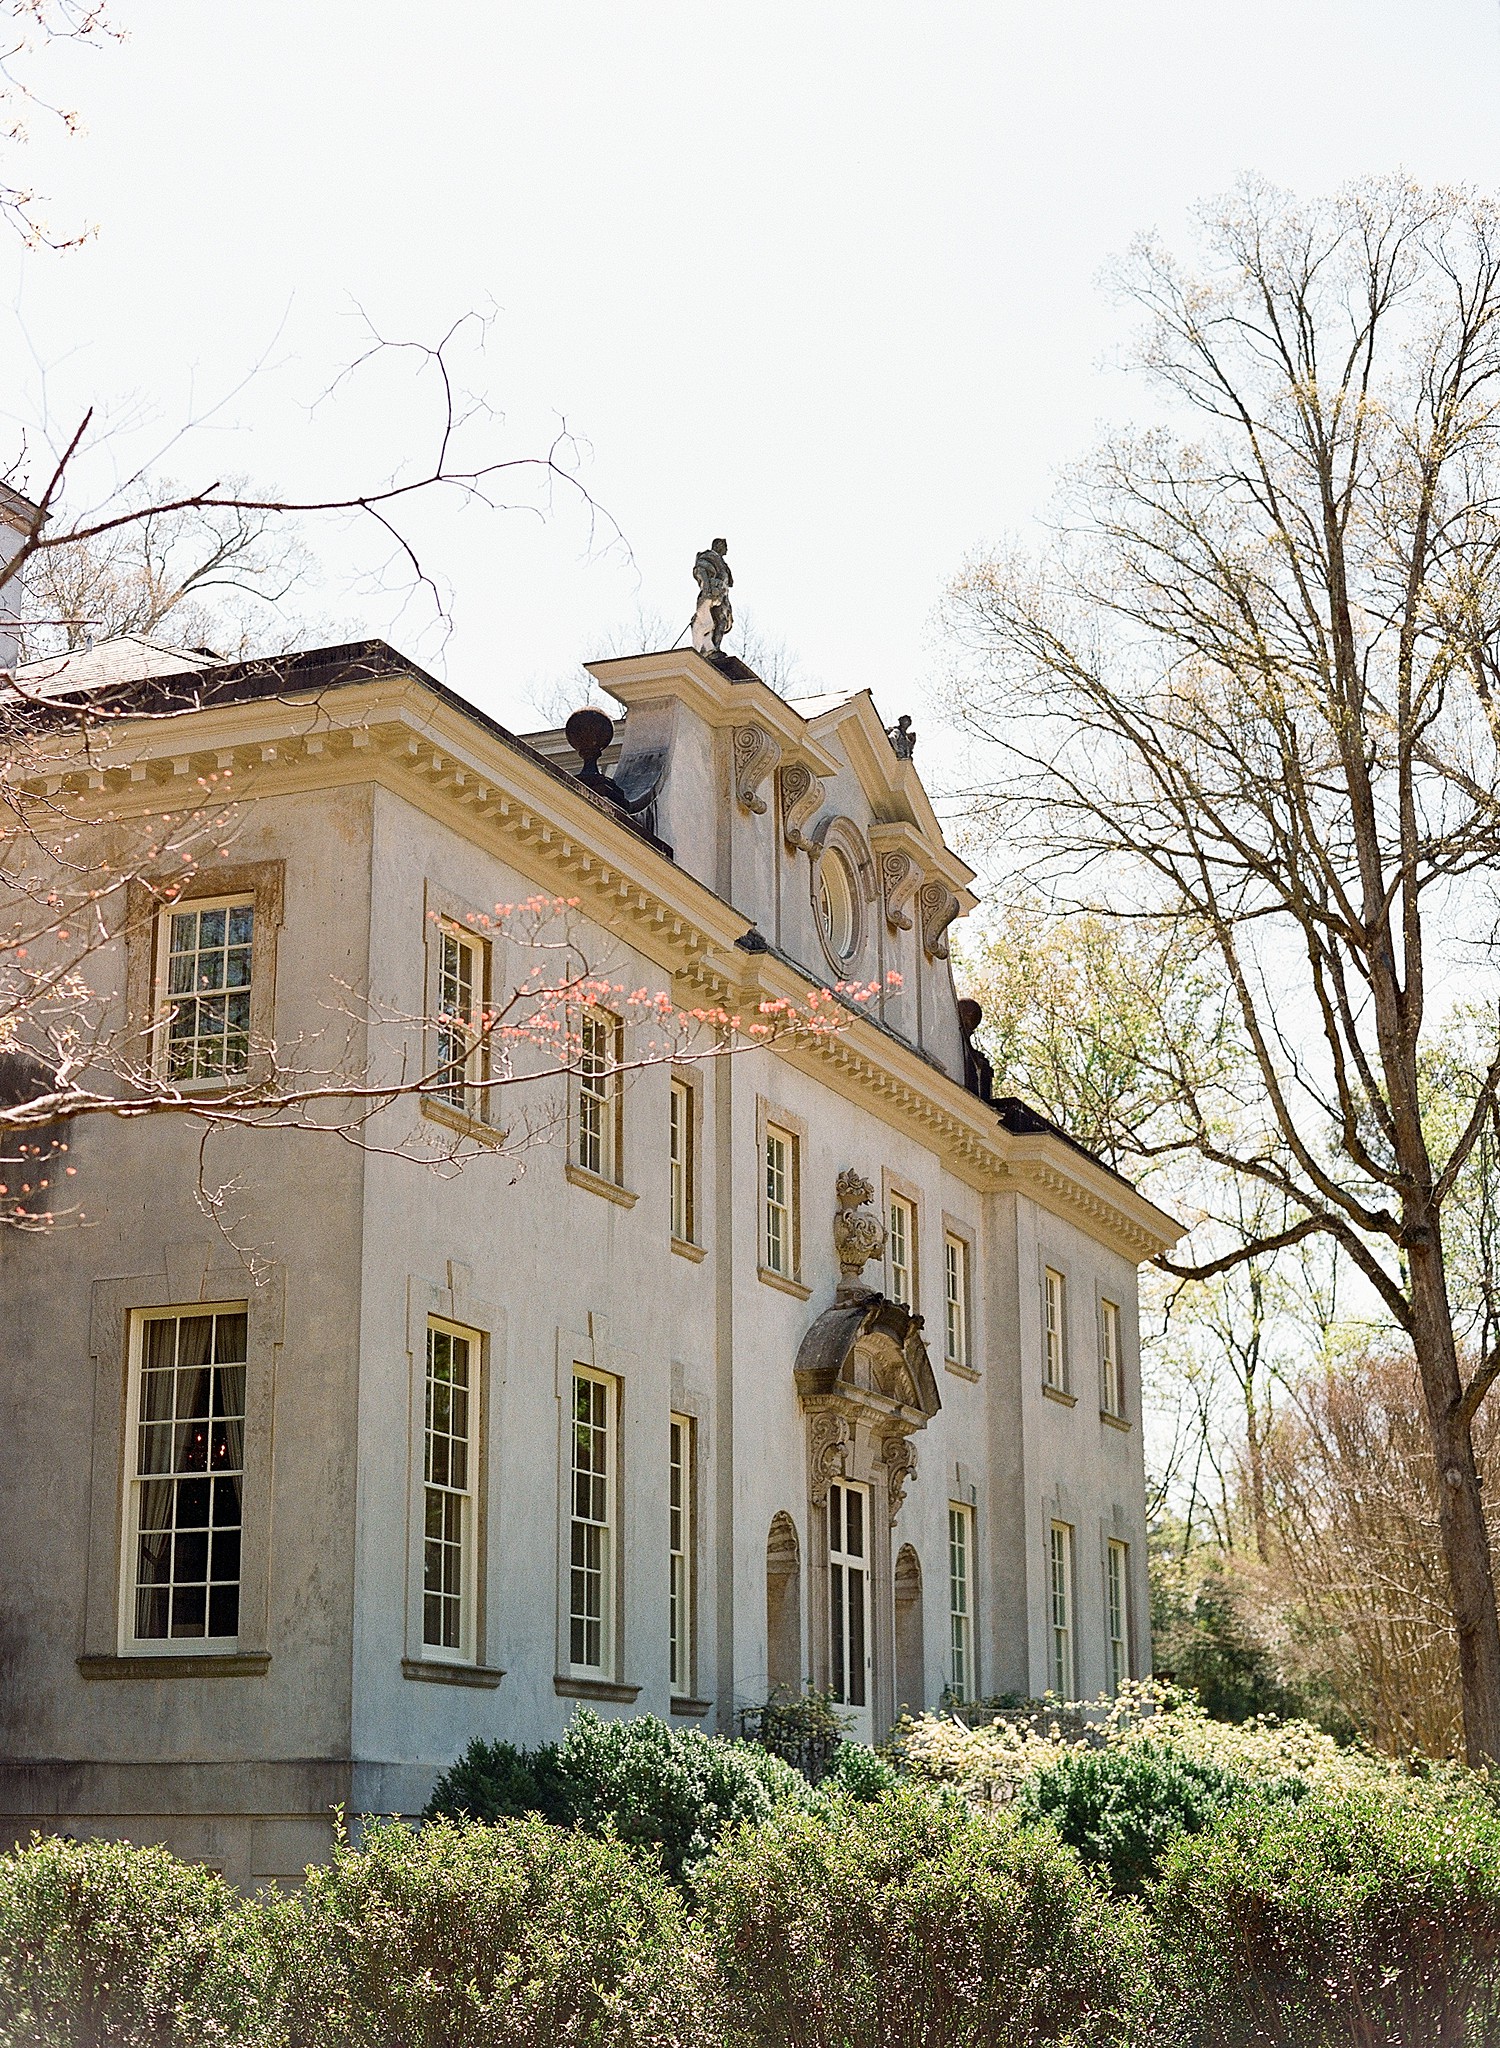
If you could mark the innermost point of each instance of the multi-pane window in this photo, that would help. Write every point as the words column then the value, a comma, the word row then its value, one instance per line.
column 849, row 1597
column 448, row 1479
column 680, row 1152
column 960, row 1601
column 956, row 1299
column 207, row 990
column 780, row 1166
column 680, row 1552
column 901, row 1250
column 598, row 1092
column 460, row 1040
column 1060, row 1603
column 1117, row 1600
column 1111, row 1380
column 187, row 1476
column 1054, row 1304
column 591, row 1600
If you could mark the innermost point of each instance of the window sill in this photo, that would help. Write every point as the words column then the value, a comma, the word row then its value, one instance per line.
column 463, row 1123
column 212, row 1664
column 961, row 1372
column 598, row 1185
column 438, row 1673
column 684, row 1250
column 1114, row 1421
column 594, row 1689
column 697, row 1708
column 792, row 1287
column 1057, row 1394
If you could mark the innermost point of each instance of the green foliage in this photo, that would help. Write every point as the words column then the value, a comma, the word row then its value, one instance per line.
column 497, row 1781
column 1120, row 1807
column 103, row 1945
column 670, row 1790
column 805, row 1729
column 1202, row 1637
column 513, row 1935
column 859, row 1773
column 1359, row 1921
column 914, row 1923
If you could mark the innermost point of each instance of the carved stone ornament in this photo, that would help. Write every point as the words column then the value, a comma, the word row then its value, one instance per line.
column 938, row 906
column 829, row 1436
column 899, row 876
column 755, row 755
column 900, row 1459
column 858, row 1236
column 801, row 794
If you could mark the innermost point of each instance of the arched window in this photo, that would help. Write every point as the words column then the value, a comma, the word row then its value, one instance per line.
column 783, row 1606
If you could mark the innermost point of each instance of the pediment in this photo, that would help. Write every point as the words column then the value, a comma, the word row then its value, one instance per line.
column 869, row 1352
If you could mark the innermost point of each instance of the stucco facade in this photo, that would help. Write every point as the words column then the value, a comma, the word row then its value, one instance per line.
column 373, row 810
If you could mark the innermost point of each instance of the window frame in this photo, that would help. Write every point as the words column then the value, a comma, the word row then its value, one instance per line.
column 1117, row 1612
column 473, row 1098
column 1055, row 1331
column 165, row 1003
column 610, row 1096
column 682, row 1160
column 784, row 1268
column 127, row 1642
column 1111, row 1359
column 1062, row 1669
column 466, row 1650
column 682, row 1508
column 957, row 1300
column 150, row 898
column 609, row 1573
column 961, row 1602
column 899, row 1203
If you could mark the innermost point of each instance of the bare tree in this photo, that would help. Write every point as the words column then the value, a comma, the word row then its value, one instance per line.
column 27, row 27
column 1253, row 688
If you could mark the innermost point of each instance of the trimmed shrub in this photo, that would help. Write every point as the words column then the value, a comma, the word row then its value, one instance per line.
column 497, row 1781
column 1119, row 1808
column 670, row 1790
column 915, row 1922
column 1363, row 1921
column 515, row 1934
column 104, row 1945
column 859, row 1773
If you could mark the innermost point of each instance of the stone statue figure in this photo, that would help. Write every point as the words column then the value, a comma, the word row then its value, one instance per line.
column 858, row 1236
column 903, row 740
column 714, row 616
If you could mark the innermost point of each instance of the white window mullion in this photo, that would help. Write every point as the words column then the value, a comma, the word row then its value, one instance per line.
column 448, row 1538
column 593, row 1549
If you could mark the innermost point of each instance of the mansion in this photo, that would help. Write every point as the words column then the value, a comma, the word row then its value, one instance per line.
column 702, row 1374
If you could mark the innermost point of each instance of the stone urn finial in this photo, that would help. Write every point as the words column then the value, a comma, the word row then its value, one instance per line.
column 858, row 1236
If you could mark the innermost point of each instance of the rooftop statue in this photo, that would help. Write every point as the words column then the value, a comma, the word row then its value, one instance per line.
column 714, row 616
column 901, row 736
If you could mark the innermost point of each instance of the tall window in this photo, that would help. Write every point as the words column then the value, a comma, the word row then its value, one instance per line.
column 849, row 1596
column 1054, row 1297
column 1111, row 1386
column 680, row 1554
column 187, row 1476
column 1060, row 1589
column 956, row 1299
column 591, row 1613
column 207, row 990
column 599, row 1093
column 680, row 1141
column 1117, row 1592
column 448, row 1477
column 960, row 1601
column 460, row 1044
column 902, row 1250
column 780, row 1219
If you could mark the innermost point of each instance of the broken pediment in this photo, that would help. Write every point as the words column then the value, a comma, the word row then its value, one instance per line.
column 869, row 1352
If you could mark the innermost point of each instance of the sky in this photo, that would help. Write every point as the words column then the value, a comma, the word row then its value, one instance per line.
column 822, row 279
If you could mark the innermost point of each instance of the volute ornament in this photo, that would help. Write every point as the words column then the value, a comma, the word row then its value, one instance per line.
column 900, row 1459
column 858, row 1236
column 755, row 755
column 801, row 794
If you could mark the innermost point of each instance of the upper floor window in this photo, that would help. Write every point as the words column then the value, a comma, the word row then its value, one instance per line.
column 680, row 1153
column 205, row 989
column 599, row 1055
column 901, row 1250
column 593, row 1550
column 187, row 1466
column 460, row 1001
column 955, row 1299
column 1054, row 1301
column 448, row 1473
column 1111, row 1377
column 780, row 1250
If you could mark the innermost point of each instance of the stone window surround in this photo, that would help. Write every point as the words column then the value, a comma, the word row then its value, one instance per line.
column 612, row 1184
column 1121, row 1297
column 453, row 1302
column 1116, row 1529
column 909, row 1191
column 188, row 1277
column 146, row 903
column 690, row 1402
column 771, row 1115
column 965, row 1368
column 440, row 907
column 692, row 1246
column 1050, row 1259
column 839, row 834
column 595, row 1352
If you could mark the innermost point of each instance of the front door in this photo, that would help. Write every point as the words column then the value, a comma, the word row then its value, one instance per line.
column 851, row 1675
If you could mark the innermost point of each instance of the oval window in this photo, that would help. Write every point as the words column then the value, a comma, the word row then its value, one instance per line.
column 833, row 894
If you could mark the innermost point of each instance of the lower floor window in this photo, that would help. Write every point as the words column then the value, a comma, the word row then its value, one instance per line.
column 448, row 1493
column 960, row 1601
column 680, row 1553
column 1118, row 1593
column 1060, row 1595
column 848, row 1594
column 187, row 1478
column 591, row 1577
